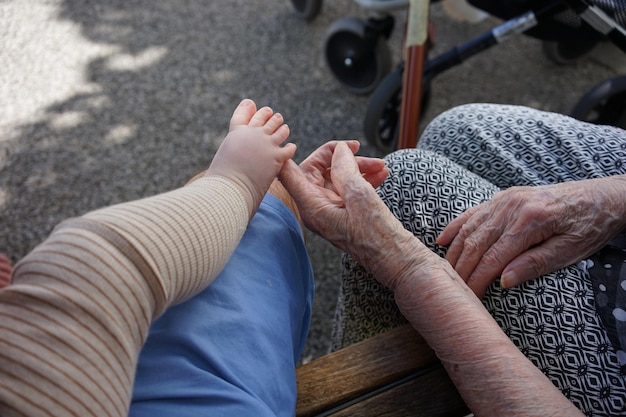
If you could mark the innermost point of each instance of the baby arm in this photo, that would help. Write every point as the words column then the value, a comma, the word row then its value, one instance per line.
column 79, row 310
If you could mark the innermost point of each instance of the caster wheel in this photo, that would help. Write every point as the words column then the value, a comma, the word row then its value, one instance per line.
column 568, row 53
column 604, row 104
column 357, row 55
column 307, row 9
column 382, row 116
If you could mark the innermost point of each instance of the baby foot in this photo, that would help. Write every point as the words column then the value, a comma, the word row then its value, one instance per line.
column 251, row 154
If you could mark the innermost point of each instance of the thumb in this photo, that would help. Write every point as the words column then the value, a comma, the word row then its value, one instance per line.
column 345, row 168
column 533, row 263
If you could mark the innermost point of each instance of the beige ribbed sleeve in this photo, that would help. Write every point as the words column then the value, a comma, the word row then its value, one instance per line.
column 78, row 313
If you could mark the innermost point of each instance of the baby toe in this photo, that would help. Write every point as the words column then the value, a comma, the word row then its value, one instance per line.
column 243, row 113
column 274, row 123
column 261, row 117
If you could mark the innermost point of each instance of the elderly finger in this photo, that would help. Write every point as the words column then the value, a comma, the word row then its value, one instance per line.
column 451, row 231
column 466, row 251
column 491, row 263
column 373, row 170
column 483, row 244
column 536, row 261
column 457, row 245
column 344, row 164
column 369, row 165
column 320, row 159
column 377, row 178
column 294, row 180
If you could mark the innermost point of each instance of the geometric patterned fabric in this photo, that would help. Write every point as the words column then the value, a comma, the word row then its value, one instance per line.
column 465, row 156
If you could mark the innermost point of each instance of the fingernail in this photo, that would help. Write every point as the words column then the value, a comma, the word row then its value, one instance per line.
column 508, row 279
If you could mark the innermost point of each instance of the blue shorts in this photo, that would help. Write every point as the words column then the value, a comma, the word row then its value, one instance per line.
column 232, row 349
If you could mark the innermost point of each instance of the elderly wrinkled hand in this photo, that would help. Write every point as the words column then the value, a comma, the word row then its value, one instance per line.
column 334, row 191
column 525, row 232
column 326, row 183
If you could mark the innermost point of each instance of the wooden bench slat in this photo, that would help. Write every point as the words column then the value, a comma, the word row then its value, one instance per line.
column 351, row 372
column 429, row 395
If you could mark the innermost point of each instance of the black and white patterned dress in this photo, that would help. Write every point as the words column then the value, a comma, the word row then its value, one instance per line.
column 571, row 323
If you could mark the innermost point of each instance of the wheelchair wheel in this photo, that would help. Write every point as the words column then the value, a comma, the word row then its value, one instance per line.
column 307, row 9
column 568, row 52
column 382, row 116
column 357, row 55
column 604, row 104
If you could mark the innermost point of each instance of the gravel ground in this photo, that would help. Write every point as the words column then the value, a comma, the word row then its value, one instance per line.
column 102, row 102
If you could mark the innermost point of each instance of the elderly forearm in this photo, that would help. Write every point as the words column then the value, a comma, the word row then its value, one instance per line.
column 77, row 315
column 614, row 189
column 492, row 375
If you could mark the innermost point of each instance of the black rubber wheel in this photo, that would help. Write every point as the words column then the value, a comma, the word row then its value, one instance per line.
column 382, row 116
column 568, row 52
column 357, row 55
column 604, row 104
column 307, row 9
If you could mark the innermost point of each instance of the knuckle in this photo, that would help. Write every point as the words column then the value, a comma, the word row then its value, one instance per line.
column 492, row 259
column 471, row 245
column 464, row 232
column 532, row 212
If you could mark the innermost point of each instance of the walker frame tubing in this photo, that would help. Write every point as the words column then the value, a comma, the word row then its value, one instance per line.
column 456, row 56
